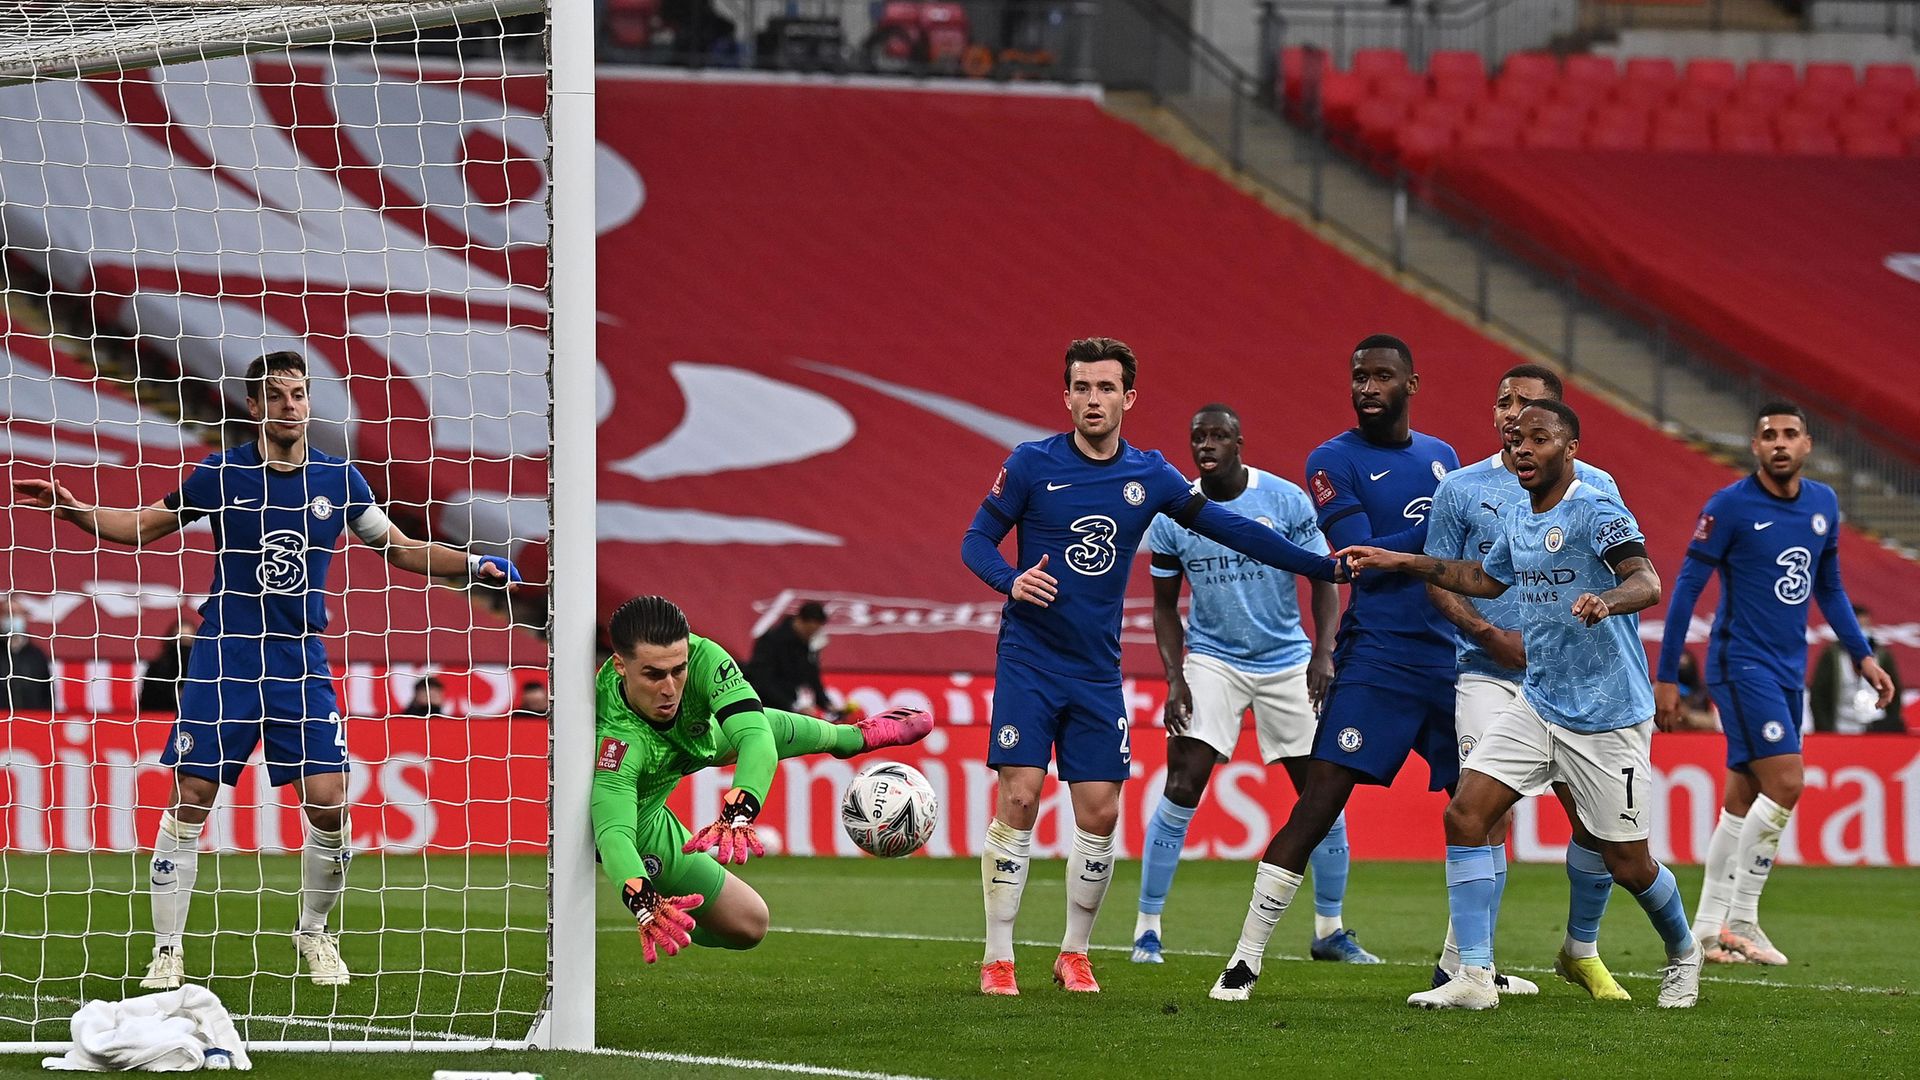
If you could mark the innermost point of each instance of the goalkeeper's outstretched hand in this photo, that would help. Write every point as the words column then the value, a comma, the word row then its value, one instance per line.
column 665, row 925
column 731, row 837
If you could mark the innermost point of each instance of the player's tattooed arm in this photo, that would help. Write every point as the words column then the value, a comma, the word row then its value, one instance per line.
column 1505, row 647
column 1638, row 590
column 1453, row 575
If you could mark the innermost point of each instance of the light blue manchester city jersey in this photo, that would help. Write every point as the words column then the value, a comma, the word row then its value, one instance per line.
column 1244, row 612
column 1584, row 678
column 1466, row 520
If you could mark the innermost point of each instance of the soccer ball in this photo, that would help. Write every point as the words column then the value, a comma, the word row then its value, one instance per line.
column 889, row 809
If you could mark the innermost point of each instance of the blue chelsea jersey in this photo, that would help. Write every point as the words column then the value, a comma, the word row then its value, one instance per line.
column 1244, row 612
column 1465, row 523
column 274, row 534
column 1088, row 517
column 1363, row 491
column 1772, row 554
column 1584, row 678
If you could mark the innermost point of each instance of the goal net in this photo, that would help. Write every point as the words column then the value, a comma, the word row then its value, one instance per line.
column 184, row 186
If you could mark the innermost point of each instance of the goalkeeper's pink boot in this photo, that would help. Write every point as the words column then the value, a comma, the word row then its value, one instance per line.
column 895, row 727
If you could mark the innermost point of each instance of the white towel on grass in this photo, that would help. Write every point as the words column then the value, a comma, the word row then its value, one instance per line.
column 170, row 1032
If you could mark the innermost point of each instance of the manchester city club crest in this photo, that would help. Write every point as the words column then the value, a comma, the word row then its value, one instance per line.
column 1008, row 736
column 1349, row 739
column 1819, row 524
column 1466, row 746
column 1135, row 493
column 322, row 507
column 1555, row 538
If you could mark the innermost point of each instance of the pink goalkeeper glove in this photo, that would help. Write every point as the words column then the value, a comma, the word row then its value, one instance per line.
column 731, row 837
column 665, row 925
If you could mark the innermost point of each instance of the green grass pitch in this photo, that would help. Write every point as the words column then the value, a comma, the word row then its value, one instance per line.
column 873, row 967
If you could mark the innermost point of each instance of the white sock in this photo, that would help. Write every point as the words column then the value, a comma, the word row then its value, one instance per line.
column 1578, row 949
column 323, row 875
column 1326, row 925
column 1273, row 889
column 1450, row 952
column 1089, row 872
column 1716, row 891
column 1003, row 877
column 1145, row 922
column 176, row 863
column 1759, row 843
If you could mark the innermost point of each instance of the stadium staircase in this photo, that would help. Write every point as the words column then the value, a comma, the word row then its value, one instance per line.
column 1452, row 253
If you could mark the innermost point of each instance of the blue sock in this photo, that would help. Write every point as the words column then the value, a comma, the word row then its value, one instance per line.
column 1470, row 902
column 1330, row 863
column 1166, row 835
column 1589, row 886
column 1669, row 914
column 1499, row 891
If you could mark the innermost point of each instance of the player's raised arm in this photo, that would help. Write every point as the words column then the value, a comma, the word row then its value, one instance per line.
column 1447, row 539
column 1254, row 540
column 134, row 527
column 1453, row 575
column 424, row 557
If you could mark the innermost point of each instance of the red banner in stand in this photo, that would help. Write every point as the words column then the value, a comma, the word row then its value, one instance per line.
column 439, row 784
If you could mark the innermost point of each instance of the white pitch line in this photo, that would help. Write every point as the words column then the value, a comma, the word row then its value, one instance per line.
column 956, row 939
column 751, row 1064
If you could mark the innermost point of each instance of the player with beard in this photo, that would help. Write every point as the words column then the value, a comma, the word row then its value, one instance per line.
column 1392, row 692
column 1774, row 538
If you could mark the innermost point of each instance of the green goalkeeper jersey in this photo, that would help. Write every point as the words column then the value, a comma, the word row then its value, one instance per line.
column 640, row 761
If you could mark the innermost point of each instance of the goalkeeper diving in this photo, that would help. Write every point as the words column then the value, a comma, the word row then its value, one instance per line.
column 668, row 704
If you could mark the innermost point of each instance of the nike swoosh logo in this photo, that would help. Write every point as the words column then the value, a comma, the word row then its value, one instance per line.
column 1378, row 475
column 1051, row 486
column 1758, row 525
column 996, row 881
column 245, row 502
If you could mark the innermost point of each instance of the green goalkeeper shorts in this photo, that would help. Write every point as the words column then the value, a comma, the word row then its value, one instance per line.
column 659, row 837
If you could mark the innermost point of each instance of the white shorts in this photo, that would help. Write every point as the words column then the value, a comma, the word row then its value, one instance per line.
column 1609, row 772
column 1283, row 720
column 1477, row 701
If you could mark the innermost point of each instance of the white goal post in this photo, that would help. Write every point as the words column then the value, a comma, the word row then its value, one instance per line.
column 404, row 193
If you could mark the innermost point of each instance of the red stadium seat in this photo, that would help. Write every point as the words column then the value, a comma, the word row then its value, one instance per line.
column 1681, row 119
column 1799, row 121
column 1550, row 137
column 1440, row 112
column 1908, row 126
column 1372, row 63
column 1421, row 143
column 1293, row 73
column 1398, row 86
column 1585, row 96
column 1702, row 96
column 1340, row 94
column 1588, row 68
column 1535, row 66
column 1899, row 78
column 1489, row 137
column 1882, row 144
column 1459, row 87
column 1735, row 119
column 1743, row 140
column 1690, row 140
column 1456, row 63
column 1521, row 90
column 1622, row 116
column 1862, row 123
column 1641, row 94
column 1657, row 70
column 1712, row 72
column 1616, row 138
column 1499, row 114
column 1772, row 78
column 1559, row 114
column 1838, row 78
column 1377, row 122
column 1825, row 99
column 1877, row 101
column 1809, row 141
